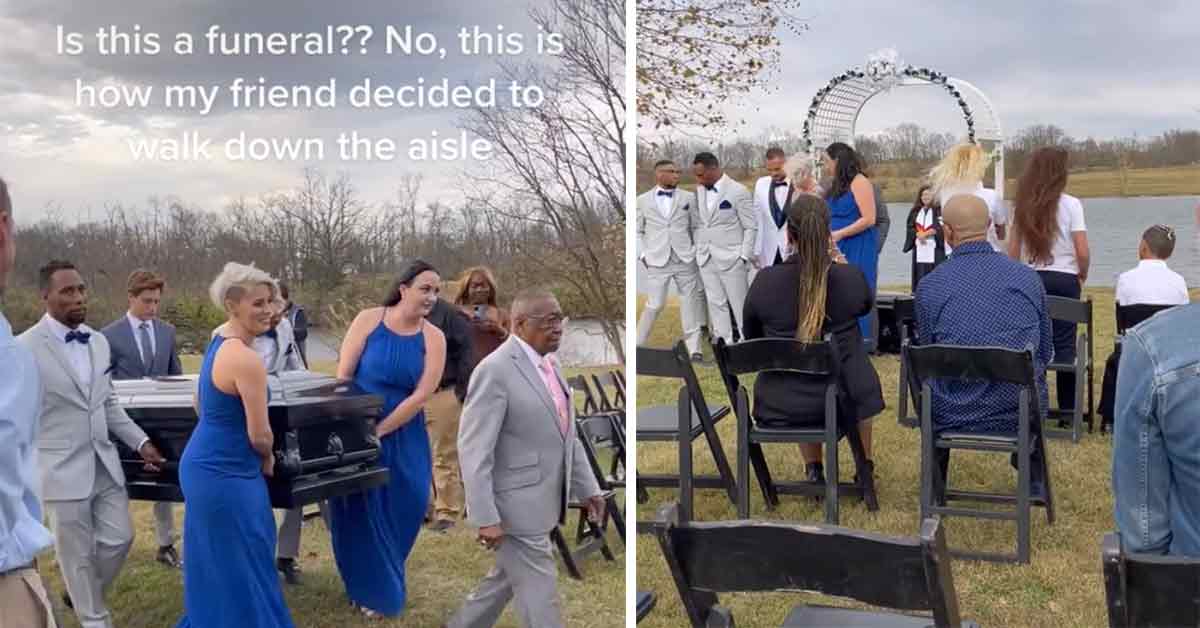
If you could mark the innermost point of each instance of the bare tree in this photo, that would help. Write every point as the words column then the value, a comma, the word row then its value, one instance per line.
column 696, row 55
column 558, row 175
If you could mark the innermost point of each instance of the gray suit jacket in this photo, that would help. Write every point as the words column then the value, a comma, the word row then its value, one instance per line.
column 127, row 359
column 76, row 423
column 516, row 464
column 726, row 233
column 287, row 353
column 657, row 237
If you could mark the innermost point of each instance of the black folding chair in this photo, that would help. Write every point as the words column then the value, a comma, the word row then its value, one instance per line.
column 1080, row 313
column 687, row 420
column 602, row 382
column 906, row 574
column 618, row 378
column 1127, row 316
column 1149, row 589
column 591, row 404
column 988, row 364
column 646, row 600
column 815, row 360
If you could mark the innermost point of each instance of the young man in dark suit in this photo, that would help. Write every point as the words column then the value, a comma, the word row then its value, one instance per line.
column 143, row 345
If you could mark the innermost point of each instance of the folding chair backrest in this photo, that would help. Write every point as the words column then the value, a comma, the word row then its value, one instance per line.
column 1150, row 589
column 619, row 381
column 601, row 381
column 590, row 405
column 993, row 364
column 594, row 432
column 675, row 363
column 745, row 556
column 817, row 359
column 1071, row 310
column 1130, row 315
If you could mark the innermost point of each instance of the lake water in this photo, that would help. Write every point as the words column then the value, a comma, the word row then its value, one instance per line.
column 1114, row 227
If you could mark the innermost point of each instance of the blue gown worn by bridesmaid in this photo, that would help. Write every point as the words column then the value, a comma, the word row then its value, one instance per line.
column 373, row 531
column 229, row 578
column 860, row 249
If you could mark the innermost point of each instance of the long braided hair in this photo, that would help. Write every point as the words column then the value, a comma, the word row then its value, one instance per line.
column 808, row 231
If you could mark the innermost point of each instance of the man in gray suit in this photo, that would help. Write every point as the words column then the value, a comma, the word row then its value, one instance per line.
column 665, row 216
column 82, row 482
column 724, row 237
column 144, row 346
column 521, row 461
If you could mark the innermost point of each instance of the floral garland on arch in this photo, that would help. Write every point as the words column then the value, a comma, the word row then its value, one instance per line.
column 884, row 70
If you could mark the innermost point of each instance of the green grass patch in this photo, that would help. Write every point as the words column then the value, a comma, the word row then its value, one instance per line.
column 1062, row 586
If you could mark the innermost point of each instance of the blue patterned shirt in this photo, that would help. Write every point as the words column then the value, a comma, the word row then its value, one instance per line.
column 981, row 298
column 22, row 535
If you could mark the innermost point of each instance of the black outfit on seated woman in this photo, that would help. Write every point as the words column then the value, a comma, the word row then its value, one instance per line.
column 794, row 400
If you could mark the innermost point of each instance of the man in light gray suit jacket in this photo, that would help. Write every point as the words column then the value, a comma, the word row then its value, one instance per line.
column 144, row 346
column 665, row 216
column 82, row 483
column 724, row 237
column 521, row 461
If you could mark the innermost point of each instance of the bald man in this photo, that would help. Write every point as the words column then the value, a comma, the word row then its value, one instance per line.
column 981, row 298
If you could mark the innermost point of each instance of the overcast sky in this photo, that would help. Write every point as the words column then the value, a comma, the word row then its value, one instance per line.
column 54, row 152
column 1101, row 68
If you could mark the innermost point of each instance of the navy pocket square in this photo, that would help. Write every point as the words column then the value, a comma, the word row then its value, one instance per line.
column 726, row 205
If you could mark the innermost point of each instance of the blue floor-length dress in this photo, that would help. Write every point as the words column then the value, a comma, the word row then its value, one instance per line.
column 229, row 578
column 374, row 531
column 860, row 249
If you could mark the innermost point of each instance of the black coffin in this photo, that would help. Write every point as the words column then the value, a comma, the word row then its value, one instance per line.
column 325, row 443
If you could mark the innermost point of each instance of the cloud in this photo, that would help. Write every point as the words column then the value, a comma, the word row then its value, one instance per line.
column 1098, row 69
column 46, row 135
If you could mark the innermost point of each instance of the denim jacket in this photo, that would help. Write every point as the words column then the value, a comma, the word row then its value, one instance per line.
column 1156, row 439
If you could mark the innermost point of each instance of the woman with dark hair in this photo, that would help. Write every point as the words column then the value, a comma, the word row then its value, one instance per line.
column 1050, row 236
column 394, row 352
column 924, row 235
column 852, row 215
column 805, row 297
column 476, row 298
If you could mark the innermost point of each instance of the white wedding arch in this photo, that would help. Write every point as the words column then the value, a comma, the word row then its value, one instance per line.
column 834, row 111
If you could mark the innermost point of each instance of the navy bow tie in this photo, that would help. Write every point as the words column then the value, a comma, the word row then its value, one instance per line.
column 775, row 184
column 666, row 192
column 81, row 336
column 271, row 333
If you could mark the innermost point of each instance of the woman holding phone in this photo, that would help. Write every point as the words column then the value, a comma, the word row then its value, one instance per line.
column 477, row 299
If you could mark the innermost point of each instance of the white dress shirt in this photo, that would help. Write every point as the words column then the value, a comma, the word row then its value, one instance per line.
column 664, row 202
column 78, row 354
column 266, row 347
column 136, row 323
column 1151, row 282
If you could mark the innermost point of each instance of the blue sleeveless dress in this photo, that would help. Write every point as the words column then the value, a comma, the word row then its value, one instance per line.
column 229, row 577
column 372, row 532
column 860, row 249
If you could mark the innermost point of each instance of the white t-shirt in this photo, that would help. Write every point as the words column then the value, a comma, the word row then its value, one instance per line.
column 1062, row 250
column 1151, row 282
column 997, row 211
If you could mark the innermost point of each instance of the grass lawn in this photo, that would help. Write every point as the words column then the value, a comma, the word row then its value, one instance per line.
column 441, row 570
column 1061, row 587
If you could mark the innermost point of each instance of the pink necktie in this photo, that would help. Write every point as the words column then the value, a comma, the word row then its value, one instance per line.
column 556, row 392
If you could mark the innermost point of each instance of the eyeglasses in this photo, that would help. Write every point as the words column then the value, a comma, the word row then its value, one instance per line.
column 550, row 321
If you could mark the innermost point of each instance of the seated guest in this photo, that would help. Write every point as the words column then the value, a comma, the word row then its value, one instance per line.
column 982, row 298
column 1151, row 282
column 1156, row 446
column 228, row 530
column 806, row 297
column 924, row 235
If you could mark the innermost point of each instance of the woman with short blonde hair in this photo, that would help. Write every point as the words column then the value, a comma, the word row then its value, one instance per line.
column 229, row 576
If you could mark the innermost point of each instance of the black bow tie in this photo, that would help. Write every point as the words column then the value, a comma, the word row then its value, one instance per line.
column 78, row 336
column 666, row 192
column 775, row 184
column 271, row 333
column 711, row 188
